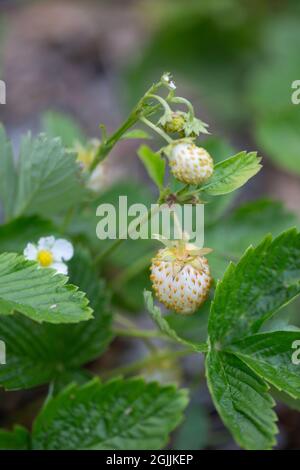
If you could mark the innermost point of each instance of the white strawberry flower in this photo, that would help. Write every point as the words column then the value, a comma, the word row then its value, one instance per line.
column 190, row 164
column 180, row 273
column 85, row 156
column 166, row 79
column 50, row 252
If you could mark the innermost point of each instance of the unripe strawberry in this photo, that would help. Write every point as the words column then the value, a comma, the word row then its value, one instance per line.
column 190, row 164
column 181, row 278
column 176, row 123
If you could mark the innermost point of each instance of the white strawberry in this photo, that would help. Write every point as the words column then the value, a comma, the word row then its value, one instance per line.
column 190, row 164
column 181, row 277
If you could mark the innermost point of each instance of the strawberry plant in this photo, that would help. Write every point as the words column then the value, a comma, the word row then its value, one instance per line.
column 62, row 289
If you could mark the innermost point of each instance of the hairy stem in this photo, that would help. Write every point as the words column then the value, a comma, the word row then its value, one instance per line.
column 140, row 110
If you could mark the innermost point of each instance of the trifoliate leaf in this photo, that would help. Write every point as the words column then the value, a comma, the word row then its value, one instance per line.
column 265, row 279
column 154, row 165
column 118, row 415
column 39, row 294
column 61, row 125
column 17, row 439
column 270, row 355
column 242, row 400
column 232, row 173
column 166, row 329
column 7, row 174
column 39, row 353
column 48, row 177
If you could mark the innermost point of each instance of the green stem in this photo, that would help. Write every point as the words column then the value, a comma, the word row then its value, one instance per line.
column 131, row 329
column 140, row 110
column 187, row 103
column 137, row 333
column 163, row 102
column 147, row 361
column 156, row 129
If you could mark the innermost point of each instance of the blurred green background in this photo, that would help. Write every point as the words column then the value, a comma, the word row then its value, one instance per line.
column 235, row 59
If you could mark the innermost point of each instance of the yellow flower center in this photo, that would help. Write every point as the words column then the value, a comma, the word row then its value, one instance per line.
column 45, row 258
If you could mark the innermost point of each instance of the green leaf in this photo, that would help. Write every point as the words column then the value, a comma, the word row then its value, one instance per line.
column 165, row 328
column 242, row 400
column 154, row 165
column 77, row 376
column 248, row 224
column 49, row 178
column 232, row 173
column 7, row 174
column 61, row 125
column 216, row 206
column 244, row 226
column 86, row 341
column 219, row 149
column 39, row 353
column 118, row 415
column 39, row 294
column 265, row 279
column 136, row 134
column 15, row 235
column 17, row 439
column 270, row 356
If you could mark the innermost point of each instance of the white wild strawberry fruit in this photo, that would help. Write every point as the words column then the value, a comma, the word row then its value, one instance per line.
column 181, row 277
column 190, row 164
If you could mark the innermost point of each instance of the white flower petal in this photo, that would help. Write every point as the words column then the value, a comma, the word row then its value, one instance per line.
column 30, row 251
column 62, row 250
column 60, row 268
column 46, row 243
